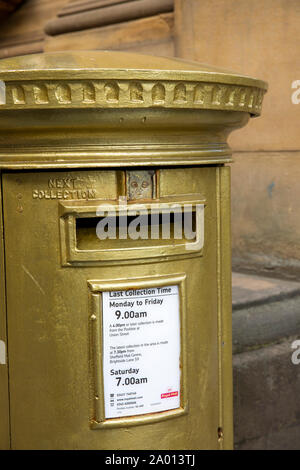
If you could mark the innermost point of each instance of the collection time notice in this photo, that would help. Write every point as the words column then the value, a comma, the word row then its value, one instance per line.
column 141, row 351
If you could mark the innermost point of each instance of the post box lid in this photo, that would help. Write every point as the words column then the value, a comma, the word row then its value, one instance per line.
column 121, row 79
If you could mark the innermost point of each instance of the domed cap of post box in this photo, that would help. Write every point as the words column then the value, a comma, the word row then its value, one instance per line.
column 108, row 79
column 105, row 108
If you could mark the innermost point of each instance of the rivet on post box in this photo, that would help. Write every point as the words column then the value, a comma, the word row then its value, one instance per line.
column 115, row 250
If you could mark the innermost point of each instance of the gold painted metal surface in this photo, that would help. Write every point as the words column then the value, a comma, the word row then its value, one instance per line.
column 52, row 307
column 79, row 130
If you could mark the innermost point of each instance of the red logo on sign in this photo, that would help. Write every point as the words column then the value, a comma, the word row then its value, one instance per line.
column 169, row 395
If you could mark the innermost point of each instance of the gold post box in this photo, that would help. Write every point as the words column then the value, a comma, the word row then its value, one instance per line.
column 115, row 320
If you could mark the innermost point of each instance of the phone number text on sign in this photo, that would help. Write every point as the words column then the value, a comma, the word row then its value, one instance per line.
column 141, row 351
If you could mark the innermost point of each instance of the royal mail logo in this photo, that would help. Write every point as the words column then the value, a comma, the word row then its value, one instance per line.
column 169, row 395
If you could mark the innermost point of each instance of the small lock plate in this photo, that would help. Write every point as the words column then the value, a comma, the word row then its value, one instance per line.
column 141, row 184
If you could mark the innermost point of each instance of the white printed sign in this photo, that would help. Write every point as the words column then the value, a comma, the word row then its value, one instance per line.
column 141, row 351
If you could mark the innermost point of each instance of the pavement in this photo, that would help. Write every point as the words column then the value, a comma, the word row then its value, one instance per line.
column 266, row 322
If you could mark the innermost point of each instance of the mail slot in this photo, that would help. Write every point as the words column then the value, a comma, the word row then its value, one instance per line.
column 115, row 323
column 174, row 227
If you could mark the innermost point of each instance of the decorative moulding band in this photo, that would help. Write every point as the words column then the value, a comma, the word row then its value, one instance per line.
column 101, row 157
column 132, row 94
